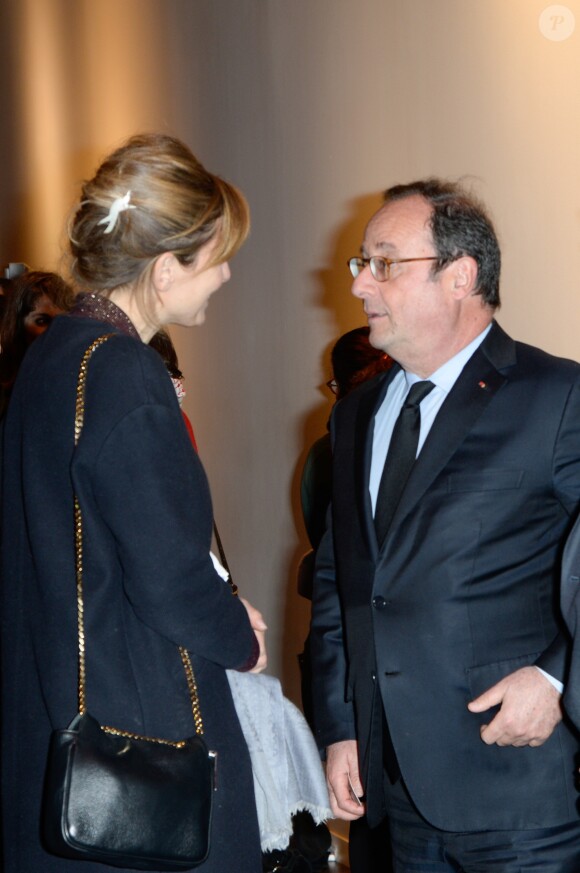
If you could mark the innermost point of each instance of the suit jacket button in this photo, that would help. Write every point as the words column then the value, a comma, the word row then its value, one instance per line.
column 379, row 602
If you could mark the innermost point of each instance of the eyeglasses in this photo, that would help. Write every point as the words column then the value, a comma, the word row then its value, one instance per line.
column 380, row 267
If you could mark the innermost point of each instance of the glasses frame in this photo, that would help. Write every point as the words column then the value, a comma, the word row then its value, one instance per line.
column 370, row 262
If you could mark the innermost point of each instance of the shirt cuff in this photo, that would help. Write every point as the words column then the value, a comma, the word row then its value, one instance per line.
column 559, row 686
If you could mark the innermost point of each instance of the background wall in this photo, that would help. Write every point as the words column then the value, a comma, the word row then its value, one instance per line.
column 313, row 107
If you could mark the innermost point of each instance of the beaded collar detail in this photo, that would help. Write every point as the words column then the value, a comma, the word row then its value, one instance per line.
column 100, row 308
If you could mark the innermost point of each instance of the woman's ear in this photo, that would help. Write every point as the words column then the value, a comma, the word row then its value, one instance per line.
column 163, row 272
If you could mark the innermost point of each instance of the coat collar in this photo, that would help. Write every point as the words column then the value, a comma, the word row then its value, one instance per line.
column 100, row 308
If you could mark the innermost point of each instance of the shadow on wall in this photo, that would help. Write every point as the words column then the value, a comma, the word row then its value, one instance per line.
column 347, row 311
column 345, row 242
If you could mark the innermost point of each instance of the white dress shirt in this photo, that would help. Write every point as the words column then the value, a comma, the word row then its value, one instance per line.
column 444, row 379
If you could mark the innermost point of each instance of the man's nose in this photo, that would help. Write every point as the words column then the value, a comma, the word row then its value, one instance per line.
column 363, row 285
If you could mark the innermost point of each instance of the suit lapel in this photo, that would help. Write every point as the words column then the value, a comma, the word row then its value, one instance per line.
column 473, row 391
column 363, row 446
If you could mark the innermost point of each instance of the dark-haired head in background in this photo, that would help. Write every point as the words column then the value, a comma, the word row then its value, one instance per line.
column 354, row 360
column 30, row 302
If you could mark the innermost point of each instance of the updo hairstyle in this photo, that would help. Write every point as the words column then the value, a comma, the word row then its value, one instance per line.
column 178, row 207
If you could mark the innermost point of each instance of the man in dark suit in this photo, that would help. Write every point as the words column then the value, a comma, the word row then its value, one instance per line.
column 438, row 646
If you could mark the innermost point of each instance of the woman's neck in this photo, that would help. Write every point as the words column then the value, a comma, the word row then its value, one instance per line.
column 124, row 298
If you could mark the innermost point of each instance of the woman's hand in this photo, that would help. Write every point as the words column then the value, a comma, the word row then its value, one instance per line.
column 259, row 627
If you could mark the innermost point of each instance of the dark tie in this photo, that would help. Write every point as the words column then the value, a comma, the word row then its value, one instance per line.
column 400, row 458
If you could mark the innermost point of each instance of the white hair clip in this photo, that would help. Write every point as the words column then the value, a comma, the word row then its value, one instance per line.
column 117, row 206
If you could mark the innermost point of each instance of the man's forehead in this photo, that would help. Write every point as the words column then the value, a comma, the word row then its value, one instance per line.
column 397, row 223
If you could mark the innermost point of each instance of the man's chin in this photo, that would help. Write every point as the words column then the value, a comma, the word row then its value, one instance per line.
column 377, row 334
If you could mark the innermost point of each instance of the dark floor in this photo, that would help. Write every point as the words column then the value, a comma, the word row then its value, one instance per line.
column 335, row 867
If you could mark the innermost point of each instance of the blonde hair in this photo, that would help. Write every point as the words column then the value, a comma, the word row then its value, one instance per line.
column 178, row 207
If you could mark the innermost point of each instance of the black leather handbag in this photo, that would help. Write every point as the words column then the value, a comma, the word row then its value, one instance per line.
column 115, row 797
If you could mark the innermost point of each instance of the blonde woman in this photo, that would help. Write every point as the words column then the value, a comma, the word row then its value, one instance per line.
column 150, row 242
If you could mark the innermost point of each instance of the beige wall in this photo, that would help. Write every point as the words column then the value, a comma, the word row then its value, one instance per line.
column 313, row 107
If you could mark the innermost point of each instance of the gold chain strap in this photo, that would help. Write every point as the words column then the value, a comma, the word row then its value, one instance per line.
column 191, row 683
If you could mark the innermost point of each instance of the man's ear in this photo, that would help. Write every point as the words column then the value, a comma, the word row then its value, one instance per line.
column 163, row 272
column 464, row 275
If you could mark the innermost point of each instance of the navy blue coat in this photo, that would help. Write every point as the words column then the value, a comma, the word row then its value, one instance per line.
column 149, row 582
column 463, row 591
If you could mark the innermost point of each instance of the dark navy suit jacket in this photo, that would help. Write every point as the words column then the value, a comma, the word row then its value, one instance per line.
column 463, row 592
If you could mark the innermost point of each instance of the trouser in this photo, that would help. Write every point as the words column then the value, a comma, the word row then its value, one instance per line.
column 418, row 847
column 369, row 849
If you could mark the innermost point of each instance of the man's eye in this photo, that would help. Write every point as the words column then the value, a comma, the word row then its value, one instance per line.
column 380, row 266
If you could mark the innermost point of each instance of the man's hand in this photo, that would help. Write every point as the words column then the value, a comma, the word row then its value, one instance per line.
column 259, row 627
column 342, row 773
column 530, row 709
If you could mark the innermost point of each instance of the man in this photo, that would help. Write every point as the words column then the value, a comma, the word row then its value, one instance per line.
column 438, row 648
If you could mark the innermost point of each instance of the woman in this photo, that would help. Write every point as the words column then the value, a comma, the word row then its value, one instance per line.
column 31, row 301
column 151, row 239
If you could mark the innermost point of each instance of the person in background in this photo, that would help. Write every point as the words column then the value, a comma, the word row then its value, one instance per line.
column 163, row 345
column 150, row 242
column 438, row 647
column 31, row 301
column 4, row 289
column 10, row 272
column 354, row 361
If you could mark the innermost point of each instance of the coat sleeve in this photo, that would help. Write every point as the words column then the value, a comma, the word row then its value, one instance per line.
column 151, row 491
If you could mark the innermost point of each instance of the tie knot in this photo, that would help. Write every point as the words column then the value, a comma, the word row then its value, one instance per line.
column 418, row 391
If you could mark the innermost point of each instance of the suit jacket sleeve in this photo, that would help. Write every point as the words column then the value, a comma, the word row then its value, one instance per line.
column 333, row 714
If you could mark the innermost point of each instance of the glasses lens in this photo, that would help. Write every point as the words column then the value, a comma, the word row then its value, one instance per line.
column 356, row 266
column 379, row 269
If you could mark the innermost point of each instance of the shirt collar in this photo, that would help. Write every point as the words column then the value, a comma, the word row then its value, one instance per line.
column 446, row 376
